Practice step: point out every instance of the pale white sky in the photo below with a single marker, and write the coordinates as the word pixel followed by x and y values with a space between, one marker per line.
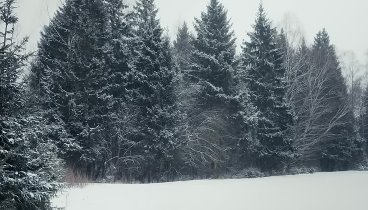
pixel 345 21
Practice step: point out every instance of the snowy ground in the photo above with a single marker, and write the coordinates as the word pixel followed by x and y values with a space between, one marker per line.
pixel 320 191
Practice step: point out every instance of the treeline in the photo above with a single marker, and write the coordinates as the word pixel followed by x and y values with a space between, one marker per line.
pixel 111 98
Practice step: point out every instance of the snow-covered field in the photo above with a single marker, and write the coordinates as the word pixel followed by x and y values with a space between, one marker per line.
pixel 320 191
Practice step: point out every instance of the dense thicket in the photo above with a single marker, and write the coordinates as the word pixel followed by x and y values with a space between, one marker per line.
pixel 131 106
pixel 110 95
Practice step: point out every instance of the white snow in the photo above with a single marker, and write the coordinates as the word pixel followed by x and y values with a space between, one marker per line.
pixel 320 191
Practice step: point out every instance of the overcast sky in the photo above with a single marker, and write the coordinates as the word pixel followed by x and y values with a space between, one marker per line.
pixel 345 20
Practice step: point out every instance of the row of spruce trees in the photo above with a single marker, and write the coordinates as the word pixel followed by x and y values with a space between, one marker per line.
pixel 110 97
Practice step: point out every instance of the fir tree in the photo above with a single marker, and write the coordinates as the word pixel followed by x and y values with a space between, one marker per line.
pixel 152 90
pixel 262 59
pixel 30 171
pixel 29 167
pixel 10 65
pixel 211 108
pixel 183 47
pixel 337 145
pixel 80 74
pixel 363 130
pixel 213 58
pixel 119 114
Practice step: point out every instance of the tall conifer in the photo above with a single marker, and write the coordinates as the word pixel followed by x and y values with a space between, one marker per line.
pixel 152 89
pixel 262 60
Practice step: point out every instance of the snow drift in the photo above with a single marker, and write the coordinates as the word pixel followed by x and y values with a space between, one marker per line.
pixel 320 191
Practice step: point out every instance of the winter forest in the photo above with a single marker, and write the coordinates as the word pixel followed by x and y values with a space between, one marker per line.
pixel 110 97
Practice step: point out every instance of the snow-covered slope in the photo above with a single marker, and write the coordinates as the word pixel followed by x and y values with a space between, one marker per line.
pixel 320 191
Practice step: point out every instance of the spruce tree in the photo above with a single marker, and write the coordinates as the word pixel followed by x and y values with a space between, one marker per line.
pixel 10 65
pixel 338 142
pixel 152 90
pixel 183 47
pixel 262 59
pixel 80 75
pixel 363 130
pixel 117 123
pixel 211 108
pixel 29 167
pixel 214 55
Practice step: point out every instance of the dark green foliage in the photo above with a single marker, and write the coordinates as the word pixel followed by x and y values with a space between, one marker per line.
pixel 183 47
pixel 363 128
pixel 29 167
pixel 213 57
pixel 338 143
pixel 12 59
pixel 262 60
pixel 121 103
pixel 152 91
pixel 211 104
pixel 67 62
pixel 80 74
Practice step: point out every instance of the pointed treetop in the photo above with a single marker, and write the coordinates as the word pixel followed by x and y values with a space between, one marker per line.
pixel 147 11
pixel 214 33
pixel 214 3
pixel 303 43
pixel 214 10
pixel 322 39
pixel 260 7
pixel 183 46
pixel 146 22
pixel 323 49
pixel 183 30
pixel 303 48
pixel 283 35
pixel 264 33
pixel 261 15
pixel 283 41
pixel 183 35
pixel 185 26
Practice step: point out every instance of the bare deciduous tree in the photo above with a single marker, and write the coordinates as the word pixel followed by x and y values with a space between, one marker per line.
pixel 309 98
